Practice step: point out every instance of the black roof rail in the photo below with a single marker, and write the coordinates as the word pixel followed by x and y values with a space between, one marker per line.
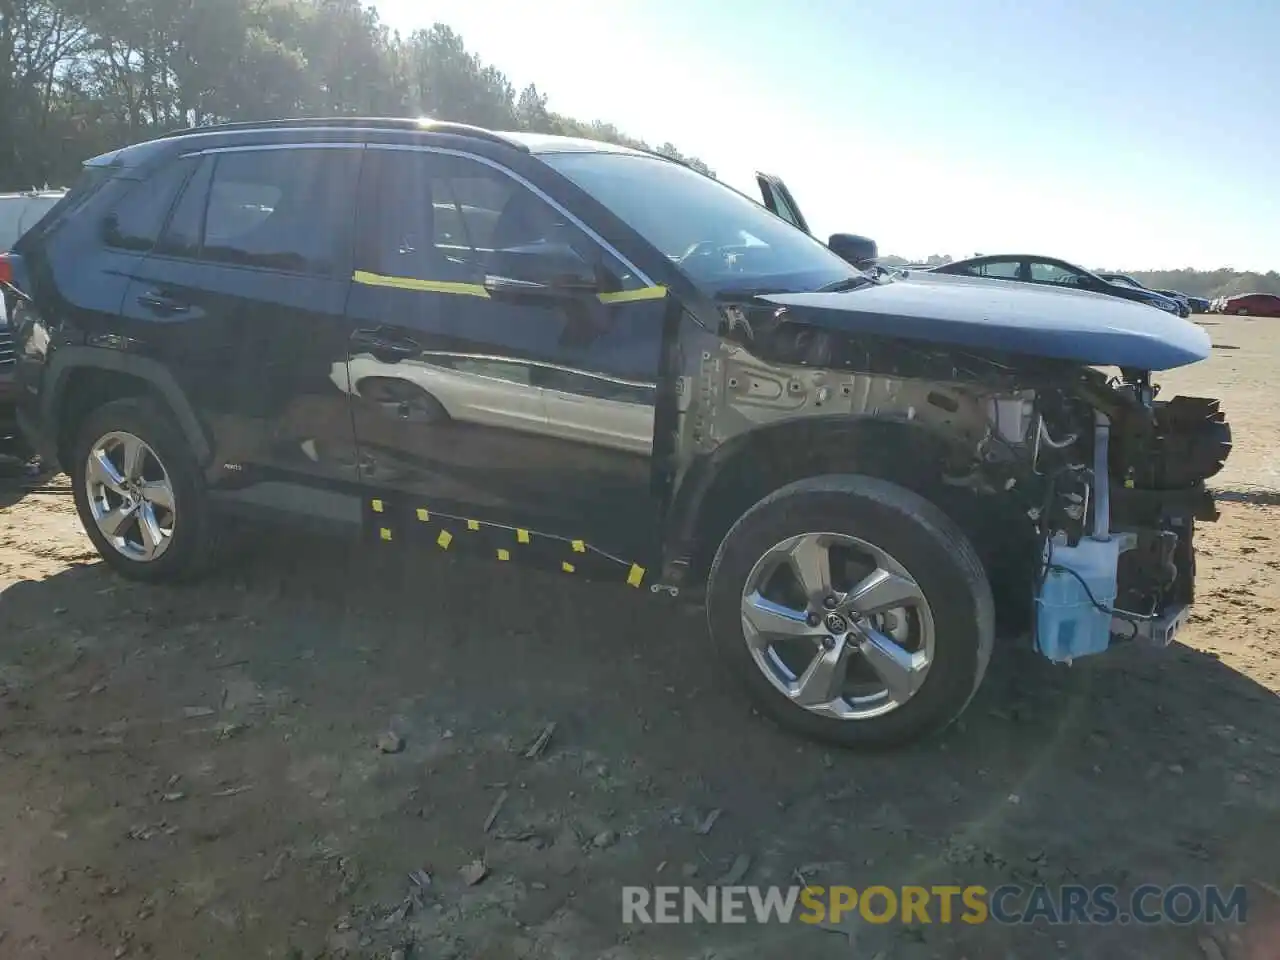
pixel 408 124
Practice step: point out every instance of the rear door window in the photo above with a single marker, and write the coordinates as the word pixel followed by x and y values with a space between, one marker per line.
pixel 287 210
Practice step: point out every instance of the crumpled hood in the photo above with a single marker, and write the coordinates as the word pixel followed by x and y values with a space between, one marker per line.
pixel 1008 317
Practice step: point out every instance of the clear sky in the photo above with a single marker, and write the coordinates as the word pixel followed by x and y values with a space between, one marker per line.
pixel 1141 134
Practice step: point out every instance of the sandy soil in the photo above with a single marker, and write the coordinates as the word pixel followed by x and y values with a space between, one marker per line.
pixel 195 773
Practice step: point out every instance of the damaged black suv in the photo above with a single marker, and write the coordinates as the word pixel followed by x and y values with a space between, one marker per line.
pixel 600 361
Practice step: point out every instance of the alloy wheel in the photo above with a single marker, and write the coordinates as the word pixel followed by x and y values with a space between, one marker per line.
pixel 131 496
pixel 837 625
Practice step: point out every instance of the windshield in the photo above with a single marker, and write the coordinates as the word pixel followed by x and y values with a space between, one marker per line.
pixel 722 240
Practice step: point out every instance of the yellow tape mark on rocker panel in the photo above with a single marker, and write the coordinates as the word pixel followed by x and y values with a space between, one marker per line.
pixel 424 286
pixel 635 576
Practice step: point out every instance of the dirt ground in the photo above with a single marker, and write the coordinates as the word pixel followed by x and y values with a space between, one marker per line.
pixel 195 773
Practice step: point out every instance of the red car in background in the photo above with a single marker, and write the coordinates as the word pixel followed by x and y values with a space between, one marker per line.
pixel 1253 305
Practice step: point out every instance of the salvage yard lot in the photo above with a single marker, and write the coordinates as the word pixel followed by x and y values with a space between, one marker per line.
pixel 196 772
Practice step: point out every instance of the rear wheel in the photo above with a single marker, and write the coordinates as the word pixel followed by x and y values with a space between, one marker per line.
pixel 853 610
pixel 139 493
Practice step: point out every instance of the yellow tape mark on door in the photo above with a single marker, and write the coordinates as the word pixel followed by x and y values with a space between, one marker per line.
pixel 370 279
pixel 422 286
pixel 631 296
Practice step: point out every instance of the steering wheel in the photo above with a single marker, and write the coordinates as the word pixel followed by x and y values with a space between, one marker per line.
pixel 728 254
pixel 701 248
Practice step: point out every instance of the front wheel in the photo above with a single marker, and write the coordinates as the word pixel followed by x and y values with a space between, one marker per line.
pixel 853 610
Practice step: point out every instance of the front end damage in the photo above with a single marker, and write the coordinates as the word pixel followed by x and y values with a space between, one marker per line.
pixel 1105 480
pixel 1120 479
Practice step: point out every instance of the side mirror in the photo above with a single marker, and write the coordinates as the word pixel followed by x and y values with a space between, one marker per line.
pixel 540 269
pixel 859 251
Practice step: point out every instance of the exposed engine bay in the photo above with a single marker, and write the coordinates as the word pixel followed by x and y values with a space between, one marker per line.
pixel 1109 479
pixel 1121 479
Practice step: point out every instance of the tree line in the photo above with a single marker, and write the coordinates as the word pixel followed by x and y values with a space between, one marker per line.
pixel 80 77
pixel 1223 282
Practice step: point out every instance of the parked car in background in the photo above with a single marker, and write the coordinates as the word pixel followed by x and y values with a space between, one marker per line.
pixel 1200 304
pixel 1124 280
pixel 18 212
pixel 1252 305
pixel 1051 272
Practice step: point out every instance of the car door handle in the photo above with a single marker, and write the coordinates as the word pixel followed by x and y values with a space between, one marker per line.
pixel 158 302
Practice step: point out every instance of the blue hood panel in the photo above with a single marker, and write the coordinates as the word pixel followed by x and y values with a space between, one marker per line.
pixel 1008 317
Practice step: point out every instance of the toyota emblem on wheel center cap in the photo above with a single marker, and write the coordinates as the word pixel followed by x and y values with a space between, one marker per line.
pixel 836 624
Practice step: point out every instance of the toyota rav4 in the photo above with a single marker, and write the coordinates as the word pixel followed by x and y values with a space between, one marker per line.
pixel 600 361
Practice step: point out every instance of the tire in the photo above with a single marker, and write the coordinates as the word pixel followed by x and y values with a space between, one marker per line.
pixel 923 542
pixel 193 543
pixel 1242 312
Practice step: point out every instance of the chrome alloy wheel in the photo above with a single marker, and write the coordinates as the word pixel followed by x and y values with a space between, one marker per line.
pixel 130 496
pixel 837 625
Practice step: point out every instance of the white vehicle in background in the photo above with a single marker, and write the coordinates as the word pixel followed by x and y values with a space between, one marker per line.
pixel 18 213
